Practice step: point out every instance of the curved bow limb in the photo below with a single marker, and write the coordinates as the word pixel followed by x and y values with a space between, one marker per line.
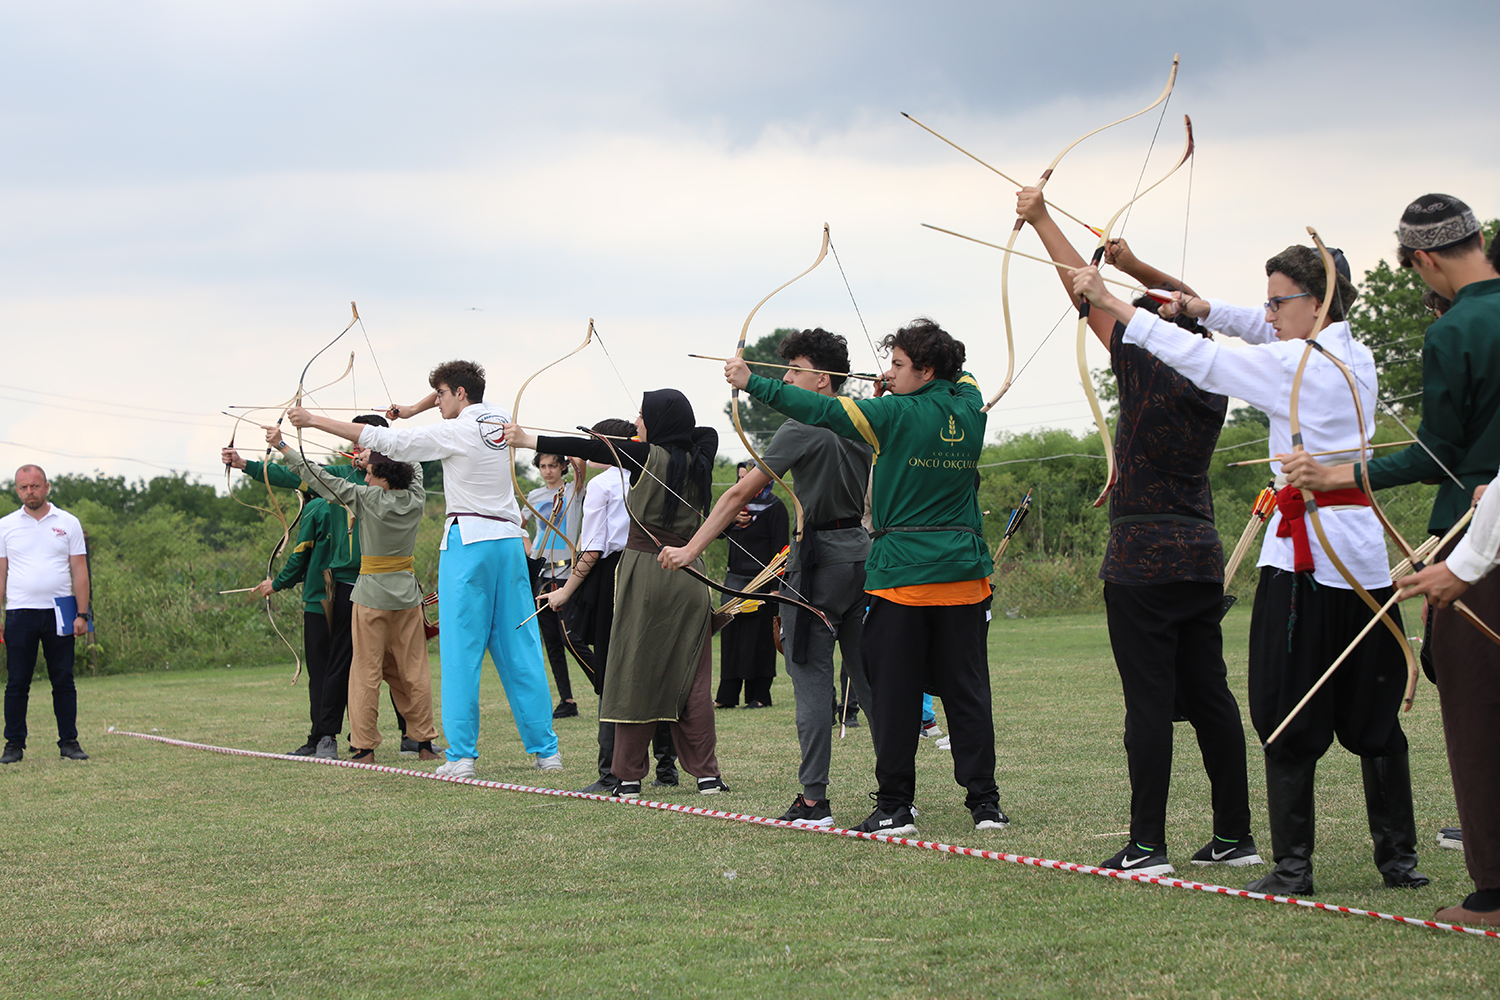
pixel 1010 342
pixel 734 395
pixel 1083 317
pixel 1312 514
pixel 515 417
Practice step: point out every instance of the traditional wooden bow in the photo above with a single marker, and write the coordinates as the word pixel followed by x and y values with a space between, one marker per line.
pixel 1083 317
pixel 734 395
pixel 1010 343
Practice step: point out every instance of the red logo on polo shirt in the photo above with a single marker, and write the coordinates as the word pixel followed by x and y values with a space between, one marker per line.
pixel 59 533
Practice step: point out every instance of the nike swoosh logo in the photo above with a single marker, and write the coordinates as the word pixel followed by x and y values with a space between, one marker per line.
pixel 1132 862
pixel 1221 855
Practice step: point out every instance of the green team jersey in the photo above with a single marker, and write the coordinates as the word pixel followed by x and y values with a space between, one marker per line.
pixel 924 506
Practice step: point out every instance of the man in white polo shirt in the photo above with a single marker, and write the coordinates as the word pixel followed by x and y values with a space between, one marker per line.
pixel 42 560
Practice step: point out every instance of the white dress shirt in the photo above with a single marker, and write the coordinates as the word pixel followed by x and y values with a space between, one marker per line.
pixel 1478 552
pixel 606 525
pixel 476 468
pixel 1262 376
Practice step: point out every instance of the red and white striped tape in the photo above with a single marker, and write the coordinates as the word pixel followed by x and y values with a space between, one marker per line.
pixel 930 845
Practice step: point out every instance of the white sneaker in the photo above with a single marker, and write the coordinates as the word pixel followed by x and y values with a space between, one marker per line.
pixel 943 743
pixel 461 768
pixel 930 730
pixel 553 763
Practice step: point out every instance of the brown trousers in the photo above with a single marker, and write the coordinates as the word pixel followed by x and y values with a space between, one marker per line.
pixel 389 646
pixel 1468 678
pixel 693 733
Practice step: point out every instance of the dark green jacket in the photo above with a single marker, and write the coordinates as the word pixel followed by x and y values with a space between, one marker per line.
pixel 324 538
pixel 1460 406
pixel 927 446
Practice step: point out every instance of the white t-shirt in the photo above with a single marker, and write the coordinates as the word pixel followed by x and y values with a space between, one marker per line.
pixel 476 468
pixel 36 554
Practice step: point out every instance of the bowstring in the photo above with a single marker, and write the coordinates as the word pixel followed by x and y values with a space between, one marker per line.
pixel 861 316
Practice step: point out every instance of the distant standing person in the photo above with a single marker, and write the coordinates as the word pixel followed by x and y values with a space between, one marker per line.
pixel 747 645
pixel 43 562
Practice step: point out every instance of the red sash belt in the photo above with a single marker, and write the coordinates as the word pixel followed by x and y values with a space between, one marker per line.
pixel 1294 525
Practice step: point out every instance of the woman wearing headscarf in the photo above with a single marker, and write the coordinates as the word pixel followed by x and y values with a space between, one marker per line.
pixel 660 660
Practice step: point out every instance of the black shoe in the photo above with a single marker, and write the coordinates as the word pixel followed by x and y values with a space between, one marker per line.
pixel 410 747
pixel 604 786
pixel 712 786
pixel 628 790
pixel 898 822
pixel 989 818
pixel 565 710
pixel 1451 837
pixel 1393 827
pixel 1283 883
pixel 305 750
pixel 757 704
pixel 71 750
pixel 809 812
pixel 1138 860
pixel 362 756
pixel 1234 853
pixel 13 753
pixel 668 779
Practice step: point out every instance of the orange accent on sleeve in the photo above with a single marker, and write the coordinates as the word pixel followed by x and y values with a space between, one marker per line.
pixel 938 594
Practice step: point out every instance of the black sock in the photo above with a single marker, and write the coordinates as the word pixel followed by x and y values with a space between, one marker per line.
pixel 1483 901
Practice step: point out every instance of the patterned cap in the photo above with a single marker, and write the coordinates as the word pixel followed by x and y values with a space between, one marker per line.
pixel 1436 221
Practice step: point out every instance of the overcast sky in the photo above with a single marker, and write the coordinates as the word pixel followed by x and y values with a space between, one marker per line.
pixel 191 194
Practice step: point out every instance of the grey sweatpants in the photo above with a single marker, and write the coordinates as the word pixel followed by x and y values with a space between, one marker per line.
pixel 839 590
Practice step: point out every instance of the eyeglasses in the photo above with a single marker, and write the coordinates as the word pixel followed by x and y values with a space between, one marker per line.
pixel 1273 304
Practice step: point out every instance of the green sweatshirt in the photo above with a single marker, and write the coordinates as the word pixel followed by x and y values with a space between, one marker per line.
pixel 324 538
pixel 1460 406
pixel 927 446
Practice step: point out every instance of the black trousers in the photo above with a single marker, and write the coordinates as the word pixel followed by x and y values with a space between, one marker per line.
pixel 908 650
pixel 338 641
pixel 1297 629
pixel 596 615
pixel 26 629
pixel 1169 650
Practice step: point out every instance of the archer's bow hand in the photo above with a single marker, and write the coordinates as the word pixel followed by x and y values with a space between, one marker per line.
pixel 299 417
pixel 1305 472
pixel 673 557
pixel 1031 205
pixel 231 458
pixel 273 436
pixel 737 372
pixel 1437 582
pixel 516 437
pixel 1088 284
pixel 264 588
pixel 1117 254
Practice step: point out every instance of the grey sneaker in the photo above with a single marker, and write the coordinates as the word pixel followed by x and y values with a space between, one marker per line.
pixel 328 748
pixel 1451 837
pixel 409 747
pixel 553 763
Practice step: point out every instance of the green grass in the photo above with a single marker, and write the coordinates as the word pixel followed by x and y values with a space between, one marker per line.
pixel 158 871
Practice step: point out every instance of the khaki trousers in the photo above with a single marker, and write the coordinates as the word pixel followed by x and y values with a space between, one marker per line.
pixel 389 646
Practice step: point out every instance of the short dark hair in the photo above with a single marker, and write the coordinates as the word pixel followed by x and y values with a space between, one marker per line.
pixel 398 474
pixel 928 346
pixel 1304 265
pixel 465 375
pixel 1435 303
pixel 828 351
pixel 536 461
pixel 615 427
pixel 373 419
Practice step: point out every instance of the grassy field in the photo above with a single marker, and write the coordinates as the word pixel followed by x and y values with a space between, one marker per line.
pixel 154 871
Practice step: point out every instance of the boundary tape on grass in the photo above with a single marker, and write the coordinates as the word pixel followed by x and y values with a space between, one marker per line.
pixel 930 845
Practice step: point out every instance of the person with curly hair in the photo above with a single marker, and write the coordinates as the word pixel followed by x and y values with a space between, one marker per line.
pixel 826 568
pixel 927 575
pixel 482 574
pixel 1305 611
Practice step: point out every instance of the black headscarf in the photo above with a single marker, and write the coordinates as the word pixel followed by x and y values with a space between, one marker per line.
pixel 668 417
